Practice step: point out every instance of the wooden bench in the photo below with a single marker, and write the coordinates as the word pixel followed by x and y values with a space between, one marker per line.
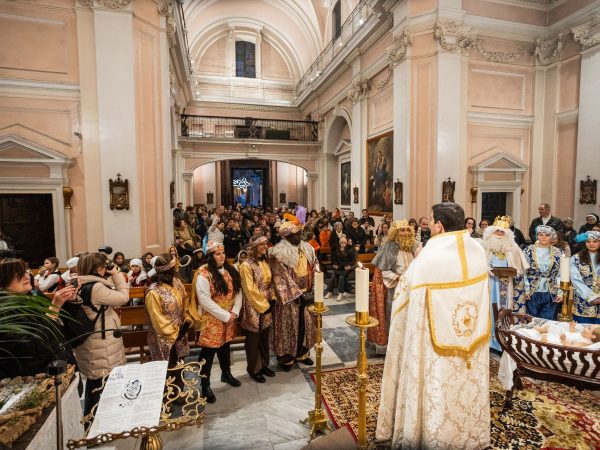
pixel 366 260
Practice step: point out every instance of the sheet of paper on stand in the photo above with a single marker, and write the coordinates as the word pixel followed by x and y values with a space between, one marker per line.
pixel 131 398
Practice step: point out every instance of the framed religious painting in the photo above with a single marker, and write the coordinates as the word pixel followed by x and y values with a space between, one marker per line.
pixel 345 188
pixel 380 185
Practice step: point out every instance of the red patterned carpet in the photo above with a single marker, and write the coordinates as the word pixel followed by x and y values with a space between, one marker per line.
pixel 545 415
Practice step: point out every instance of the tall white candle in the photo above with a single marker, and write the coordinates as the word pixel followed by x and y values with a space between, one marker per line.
pixel 565 267
pixel 362 288
pixel 318 286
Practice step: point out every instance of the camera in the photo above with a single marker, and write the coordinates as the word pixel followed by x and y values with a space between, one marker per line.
pixel 111 266
pixel 107 249
pixel 74 282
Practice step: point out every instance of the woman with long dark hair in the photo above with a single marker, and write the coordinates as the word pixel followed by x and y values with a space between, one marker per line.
pixel 217 286
pixel 585 276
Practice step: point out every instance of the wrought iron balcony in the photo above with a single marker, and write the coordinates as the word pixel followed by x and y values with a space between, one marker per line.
pixel 217 127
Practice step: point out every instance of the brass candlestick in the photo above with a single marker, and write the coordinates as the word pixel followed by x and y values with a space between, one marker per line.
pixel 316 418
pixel 362 321
pixel 566 312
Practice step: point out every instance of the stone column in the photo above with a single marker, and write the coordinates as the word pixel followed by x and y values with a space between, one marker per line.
pixel 188 188
pixel 588 133
pixel 311 201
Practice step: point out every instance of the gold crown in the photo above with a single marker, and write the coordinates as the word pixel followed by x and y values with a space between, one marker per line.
pixel 503 222
pixel 400 224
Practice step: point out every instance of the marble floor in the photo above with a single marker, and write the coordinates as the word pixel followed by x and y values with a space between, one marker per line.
pixel 267 416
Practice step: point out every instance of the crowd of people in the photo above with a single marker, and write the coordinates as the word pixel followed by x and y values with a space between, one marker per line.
pixel 251 273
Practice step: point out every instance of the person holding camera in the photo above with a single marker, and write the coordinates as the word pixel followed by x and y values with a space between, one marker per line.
pixel 292 263
pixel 100 352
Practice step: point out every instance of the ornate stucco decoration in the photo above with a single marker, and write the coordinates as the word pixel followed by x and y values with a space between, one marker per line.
pixel 114 4
pixel 499 56
pixel 588 33
pixel 165 8
pixel 359 91
pixel 396 53
pixel 548 51
pixel 454 38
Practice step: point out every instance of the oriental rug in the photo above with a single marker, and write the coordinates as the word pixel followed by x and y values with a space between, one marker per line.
pixel 544 415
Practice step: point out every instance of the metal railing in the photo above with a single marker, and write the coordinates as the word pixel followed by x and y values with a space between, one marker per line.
pixel 356 20
pixel 218 127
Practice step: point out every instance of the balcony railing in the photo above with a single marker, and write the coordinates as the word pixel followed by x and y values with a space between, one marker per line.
pixel 217 127
pixel 357 19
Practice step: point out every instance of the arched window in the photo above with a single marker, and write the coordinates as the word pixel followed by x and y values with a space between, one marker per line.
pixel 336 17
pixel 245 59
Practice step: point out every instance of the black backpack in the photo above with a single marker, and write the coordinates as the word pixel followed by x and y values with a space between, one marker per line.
pixel 83 323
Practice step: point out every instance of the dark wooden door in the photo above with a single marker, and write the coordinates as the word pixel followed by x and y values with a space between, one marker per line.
pixel 28 222
pixel 493 204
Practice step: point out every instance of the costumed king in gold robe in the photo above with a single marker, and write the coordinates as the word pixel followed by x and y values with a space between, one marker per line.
pixel 435 387
pixel 292 264
pixel 391 261
pixel 502 251
pixel 166 305
pixel 218 287
pixel 256 314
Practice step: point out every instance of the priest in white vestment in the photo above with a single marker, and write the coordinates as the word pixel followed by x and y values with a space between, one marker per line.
pixel 435 387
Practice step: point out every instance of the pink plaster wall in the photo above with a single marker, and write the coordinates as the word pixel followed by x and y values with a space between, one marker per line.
pixel 569 84
pixel 420 6
pixel 500 88
pixel 273 65
pixel 149 125
pixel 503 11
pixel 423 148
pixel 214 58
pixel 564 182
pixel 565 9
pixel 39 43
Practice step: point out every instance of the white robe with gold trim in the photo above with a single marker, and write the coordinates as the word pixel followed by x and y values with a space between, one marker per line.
pixel 435 388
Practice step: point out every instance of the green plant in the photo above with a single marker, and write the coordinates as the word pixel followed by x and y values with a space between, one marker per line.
pixel 24 316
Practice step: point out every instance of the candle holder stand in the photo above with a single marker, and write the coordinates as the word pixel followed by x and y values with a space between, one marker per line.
pixel 362 321
pixel 566 312
pixel 316 418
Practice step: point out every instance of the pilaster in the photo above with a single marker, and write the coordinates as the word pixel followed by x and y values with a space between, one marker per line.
pixel 588 133
pixel 116 120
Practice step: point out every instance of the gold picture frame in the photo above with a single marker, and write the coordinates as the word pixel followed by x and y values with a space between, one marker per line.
pixel 119 193
pixel 380 168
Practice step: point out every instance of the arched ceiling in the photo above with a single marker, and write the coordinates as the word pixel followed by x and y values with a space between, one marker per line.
pixel 296 26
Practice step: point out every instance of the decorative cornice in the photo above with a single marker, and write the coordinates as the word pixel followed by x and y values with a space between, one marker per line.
pixel 165 8
pixel 548 51
pixel 455 39
pixel 502 57
pixel 114 4
pixel 588 33
pixel 110 4
pixel 359 91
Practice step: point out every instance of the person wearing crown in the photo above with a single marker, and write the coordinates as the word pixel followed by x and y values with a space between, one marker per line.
pixel 435 384
pixel 218 289
pixel 502 251
pixel 292 263
pixel 391 262
pixel 585 277
pixel 539 295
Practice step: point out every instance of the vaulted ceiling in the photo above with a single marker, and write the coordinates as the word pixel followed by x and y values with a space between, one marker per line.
pixel 300 29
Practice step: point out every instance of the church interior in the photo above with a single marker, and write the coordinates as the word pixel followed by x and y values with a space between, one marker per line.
pixel 120 119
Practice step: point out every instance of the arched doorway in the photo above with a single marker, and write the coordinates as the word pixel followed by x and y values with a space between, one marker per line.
pixel 254 182
pixel 337 170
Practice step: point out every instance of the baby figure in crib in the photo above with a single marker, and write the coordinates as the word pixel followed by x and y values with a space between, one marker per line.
pixel 571 338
